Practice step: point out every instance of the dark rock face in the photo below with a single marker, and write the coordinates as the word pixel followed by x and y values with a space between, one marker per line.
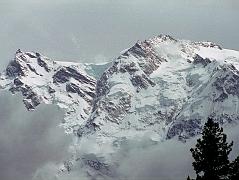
pixel 102 86
pixel 62 76
pixel 31 104
pixel 189 128
pixel 137 51
pixel 20 65
pixel 65 73
pixel 18 82
pixel 130 68
pixel 51 90
pixel 232 85
pixel 225 118
pixel 97 163
pixel 43 64
pixel 222 97
pixel 116 110
pixel 147 62
pixel 26 64
pixel 31 99
pixel 145 50
pixel 31 55
pixel 199 60
pixel 14 69
pixel 142 82
pixel 73 88
pixel 227 83
pixel 32 69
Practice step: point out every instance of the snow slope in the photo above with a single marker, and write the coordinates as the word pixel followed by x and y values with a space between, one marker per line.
pixel 162 87
pixel 41 80
pixel 166 87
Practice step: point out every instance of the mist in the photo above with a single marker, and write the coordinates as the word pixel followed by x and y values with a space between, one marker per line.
pixel 169 160
pixel 29 140
pixel 142 158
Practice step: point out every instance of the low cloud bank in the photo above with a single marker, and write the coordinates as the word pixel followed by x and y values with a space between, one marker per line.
pixel 141 159
pixel 32 146
pixel 28 140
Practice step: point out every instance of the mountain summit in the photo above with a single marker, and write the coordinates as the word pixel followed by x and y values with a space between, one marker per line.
pixel 162 86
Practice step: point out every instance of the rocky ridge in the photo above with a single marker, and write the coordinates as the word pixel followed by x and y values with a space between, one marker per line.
pixel 162 87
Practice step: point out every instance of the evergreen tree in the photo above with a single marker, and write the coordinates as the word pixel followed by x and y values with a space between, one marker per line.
pixel 211 153
pixel 234 173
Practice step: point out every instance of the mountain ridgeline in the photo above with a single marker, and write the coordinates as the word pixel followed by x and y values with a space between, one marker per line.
pixel 161 86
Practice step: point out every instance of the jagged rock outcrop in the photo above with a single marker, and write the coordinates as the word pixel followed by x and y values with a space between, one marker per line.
pixel 41 80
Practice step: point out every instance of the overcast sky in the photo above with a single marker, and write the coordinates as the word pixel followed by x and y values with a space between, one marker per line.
pixel 92 30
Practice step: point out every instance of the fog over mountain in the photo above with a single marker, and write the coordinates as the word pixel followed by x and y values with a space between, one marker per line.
pixel 29 140
pixel 96 31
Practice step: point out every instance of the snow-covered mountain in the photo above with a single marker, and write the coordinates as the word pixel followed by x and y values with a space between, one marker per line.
pixel 162 87
pixel 40 80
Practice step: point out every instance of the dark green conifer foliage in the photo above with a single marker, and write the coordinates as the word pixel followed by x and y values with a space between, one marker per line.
pixel 211 153
pixel 234 173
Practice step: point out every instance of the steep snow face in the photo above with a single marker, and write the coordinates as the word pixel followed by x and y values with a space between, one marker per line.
pixel 165 87
pixel 41 80
pixel 161 87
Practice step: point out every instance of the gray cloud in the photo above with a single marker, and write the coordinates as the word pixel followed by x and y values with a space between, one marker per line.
pixel 29 140
pixel 169 160
pixel 161 161
pixel 80 30
pixel 140 159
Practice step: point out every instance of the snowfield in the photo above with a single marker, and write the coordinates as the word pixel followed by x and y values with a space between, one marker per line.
pixel 162 88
